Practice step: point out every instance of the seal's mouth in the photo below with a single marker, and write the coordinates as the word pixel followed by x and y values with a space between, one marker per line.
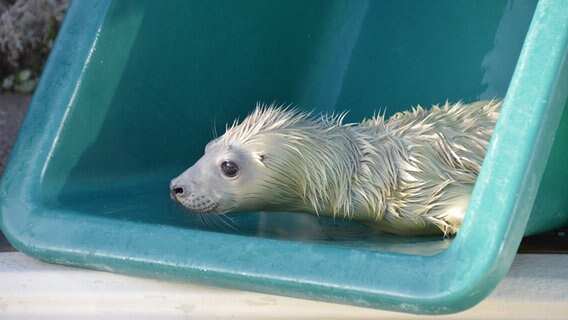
pixel 198 204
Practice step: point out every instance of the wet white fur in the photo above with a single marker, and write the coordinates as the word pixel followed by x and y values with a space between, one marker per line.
pixel 410 174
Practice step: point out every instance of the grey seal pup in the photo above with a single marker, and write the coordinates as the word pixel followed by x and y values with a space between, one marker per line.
pixel 412 174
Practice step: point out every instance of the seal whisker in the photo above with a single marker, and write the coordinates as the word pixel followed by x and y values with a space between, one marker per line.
pixel 229 222
pixel 215 134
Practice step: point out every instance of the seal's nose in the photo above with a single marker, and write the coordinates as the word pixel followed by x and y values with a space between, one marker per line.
pixel 177 190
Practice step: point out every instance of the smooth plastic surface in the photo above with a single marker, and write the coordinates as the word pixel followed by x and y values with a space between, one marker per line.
pixel 133 91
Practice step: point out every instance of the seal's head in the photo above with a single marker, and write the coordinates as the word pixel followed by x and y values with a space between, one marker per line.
pixel 215 183
pixel 244 169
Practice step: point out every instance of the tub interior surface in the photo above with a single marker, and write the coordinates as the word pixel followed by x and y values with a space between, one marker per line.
pixel 162 79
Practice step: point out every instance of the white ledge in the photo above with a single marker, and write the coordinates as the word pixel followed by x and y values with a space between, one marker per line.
pixel 536 287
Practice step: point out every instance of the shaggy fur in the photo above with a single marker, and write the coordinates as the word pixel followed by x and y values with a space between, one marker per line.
pixel 412 174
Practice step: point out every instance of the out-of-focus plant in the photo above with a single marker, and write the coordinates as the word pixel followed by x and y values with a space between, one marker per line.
pixel 27 31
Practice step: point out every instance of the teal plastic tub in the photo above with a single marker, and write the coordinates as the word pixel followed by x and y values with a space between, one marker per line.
pixel 133 91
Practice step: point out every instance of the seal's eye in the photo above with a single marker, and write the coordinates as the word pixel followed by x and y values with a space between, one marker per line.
pixel 230 169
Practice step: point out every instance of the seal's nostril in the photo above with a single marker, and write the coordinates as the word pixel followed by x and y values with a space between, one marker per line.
pixel 178 190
